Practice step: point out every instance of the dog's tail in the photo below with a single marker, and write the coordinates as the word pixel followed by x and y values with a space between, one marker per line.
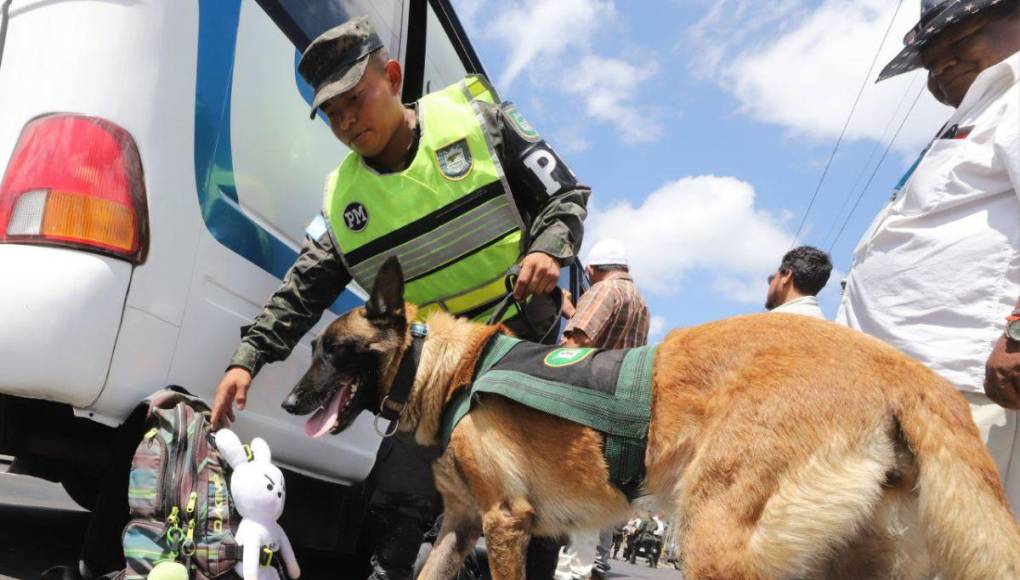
pixel 969 530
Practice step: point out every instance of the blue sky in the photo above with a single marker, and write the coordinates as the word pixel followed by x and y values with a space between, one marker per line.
pixel 703 128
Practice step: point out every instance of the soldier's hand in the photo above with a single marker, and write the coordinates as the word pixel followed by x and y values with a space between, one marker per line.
pixel 233 389
pixel 539 275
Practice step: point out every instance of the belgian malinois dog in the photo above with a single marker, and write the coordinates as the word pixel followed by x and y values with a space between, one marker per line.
pixel 785 447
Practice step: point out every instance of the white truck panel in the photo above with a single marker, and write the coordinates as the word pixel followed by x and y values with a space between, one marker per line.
pixel 140 364
pixel 226 294
pixel 60 310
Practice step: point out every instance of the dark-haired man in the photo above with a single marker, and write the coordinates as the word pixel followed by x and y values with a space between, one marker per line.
pixel 794 287
pixel 938 273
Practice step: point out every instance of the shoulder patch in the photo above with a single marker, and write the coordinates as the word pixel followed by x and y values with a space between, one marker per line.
pixel 455 159
pixel 520 125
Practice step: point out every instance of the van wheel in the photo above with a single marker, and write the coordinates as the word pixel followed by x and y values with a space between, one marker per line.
pixel 83 490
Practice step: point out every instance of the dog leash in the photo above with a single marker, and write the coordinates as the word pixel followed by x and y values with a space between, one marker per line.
pixel 393 404
pixel 508 300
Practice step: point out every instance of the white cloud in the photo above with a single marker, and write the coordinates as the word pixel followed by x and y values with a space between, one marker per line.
pixel 608 87
pixel 656 329
pixel 807 77
pixel 729 24
pixel 705 223
pixel 551 45
pixel 535 29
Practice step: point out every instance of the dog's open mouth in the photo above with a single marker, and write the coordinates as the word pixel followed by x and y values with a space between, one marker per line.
pixel 332 415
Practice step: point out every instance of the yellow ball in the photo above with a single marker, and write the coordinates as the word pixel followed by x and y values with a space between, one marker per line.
pixel 169 571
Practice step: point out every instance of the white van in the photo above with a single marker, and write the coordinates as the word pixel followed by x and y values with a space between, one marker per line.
pixel 159 172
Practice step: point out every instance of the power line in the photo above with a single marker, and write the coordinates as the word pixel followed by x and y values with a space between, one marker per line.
pixel 871 155
pixel 853 108
pixel 873 173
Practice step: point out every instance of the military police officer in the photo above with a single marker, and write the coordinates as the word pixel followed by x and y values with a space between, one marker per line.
pixel 458 185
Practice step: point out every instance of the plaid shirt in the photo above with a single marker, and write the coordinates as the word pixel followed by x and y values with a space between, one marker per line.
pixel 612 314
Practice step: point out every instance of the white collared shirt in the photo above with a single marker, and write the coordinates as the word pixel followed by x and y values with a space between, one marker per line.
pixel 938 271
pixel 805 305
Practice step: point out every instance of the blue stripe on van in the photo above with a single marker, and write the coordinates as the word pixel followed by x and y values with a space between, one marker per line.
pixel 214 167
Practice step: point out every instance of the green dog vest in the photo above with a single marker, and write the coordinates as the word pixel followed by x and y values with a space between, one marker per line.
pixel 609 391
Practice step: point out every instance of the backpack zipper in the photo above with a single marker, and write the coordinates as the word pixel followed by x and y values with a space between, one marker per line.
pixel 174 482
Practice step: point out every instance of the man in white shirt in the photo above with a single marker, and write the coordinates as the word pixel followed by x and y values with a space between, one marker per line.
pixel 938 272
pixel 794 287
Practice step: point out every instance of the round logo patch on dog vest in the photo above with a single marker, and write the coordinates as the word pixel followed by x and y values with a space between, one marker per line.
pixel 564 357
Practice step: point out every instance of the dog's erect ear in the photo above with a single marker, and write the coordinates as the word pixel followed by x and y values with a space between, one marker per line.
pixel 386 304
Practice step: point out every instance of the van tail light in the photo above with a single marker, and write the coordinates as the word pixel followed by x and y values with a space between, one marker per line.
pixel 75 181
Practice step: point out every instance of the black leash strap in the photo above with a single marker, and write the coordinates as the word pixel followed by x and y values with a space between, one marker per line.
pixel 393 404
pixel 504 305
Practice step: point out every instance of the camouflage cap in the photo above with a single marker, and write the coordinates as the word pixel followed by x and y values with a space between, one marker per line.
pixel 335 61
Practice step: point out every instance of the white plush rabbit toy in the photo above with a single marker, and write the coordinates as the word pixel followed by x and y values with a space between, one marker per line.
pixel 259 494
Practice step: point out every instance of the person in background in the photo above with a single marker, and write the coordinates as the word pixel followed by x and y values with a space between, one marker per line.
pixel 610 315
pixel 794 287
pixel 937 275
pixel 618 534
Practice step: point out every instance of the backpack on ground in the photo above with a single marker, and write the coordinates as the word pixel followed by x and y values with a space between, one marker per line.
pixel 178 495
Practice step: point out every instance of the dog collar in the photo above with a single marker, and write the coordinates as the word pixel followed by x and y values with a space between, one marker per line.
pixel 393 404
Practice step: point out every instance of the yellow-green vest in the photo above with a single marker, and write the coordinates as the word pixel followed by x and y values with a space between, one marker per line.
pixel 449 217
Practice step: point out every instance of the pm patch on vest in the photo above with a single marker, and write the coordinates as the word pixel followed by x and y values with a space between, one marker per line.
pixel 355 216
pixel 454 159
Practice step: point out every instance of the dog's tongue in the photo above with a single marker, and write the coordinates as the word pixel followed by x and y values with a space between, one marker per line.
pixel 323 419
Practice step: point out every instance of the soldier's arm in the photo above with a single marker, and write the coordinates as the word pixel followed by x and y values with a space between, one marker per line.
pixel 553 202
pixel 311 285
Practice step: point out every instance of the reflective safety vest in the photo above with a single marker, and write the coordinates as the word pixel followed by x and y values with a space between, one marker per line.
pixel 449 217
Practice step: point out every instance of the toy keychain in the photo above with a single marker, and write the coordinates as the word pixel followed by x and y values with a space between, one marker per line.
pixel 259 493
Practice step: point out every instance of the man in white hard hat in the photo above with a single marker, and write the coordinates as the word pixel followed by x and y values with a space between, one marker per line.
pixel 611 314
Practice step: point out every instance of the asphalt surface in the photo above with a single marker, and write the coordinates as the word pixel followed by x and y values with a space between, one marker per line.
pixel 621 569
pixel 40 527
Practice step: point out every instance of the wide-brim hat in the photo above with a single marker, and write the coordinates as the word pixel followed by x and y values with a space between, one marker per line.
pixel 336 60
pixel 936 16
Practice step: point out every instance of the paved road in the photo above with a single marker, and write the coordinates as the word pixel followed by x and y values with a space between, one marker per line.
pixel 41 527
pixel 621 569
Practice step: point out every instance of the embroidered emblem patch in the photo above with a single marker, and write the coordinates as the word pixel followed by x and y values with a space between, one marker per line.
pixel 355 217
pixel 455 159
pixel 564 357
pixel 520 125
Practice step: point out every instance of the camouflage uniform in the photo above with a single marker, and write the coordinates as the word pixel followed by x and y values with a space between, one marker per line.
pixel 404 501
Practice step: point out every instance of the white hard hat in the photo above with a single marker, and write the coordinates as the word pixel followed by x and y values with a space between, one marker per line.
pixel 607 252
